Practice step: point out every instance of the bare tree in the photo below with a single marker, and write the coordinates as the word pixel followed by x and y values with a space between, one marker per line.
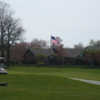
pixel 39 44
pixel 18 51
pixel 79 46
pixel 10 29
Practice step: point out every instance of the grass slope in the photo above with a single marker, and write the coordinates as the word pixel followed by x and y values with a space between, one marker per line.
pixel 28 83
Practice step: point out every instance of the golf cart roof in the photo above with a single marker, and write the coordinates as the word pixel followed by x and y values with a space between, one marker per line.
pixel 3 71
pixel 2 58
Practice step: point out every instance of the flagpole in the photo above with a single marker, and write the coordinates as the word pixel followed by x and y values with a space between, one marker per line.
pixel 50 44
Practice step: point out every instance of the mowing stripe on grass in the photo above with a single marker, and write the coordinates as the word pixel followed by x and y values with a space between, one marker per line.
pixel 57 74
pixel 87 81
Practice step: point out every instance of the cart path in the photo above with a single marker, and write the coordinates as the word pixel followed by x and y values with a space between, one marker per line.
pixel 87 81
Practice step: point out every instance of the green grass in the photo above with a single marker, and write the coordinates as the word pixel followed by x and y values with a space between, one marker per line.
pixel 37 83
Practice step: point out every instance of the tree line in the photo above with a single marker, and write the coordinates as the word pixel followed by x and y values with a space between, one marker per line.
pixel 12 31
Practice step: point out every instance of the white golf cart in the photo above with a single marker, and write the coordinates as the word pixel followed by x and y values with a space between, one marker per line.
pixel 2 66
pixel 2 71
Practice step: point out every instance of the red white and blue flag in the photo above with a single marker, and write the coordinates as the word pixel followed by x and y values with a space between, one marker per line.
pixel 54 41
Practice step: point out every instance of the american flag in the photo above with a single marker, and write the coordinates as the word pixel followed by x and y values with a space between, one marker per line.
pixel 54 41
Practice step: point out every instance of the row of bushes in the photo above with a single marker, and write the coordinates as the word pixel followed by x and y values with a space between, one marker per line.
pixel 92 57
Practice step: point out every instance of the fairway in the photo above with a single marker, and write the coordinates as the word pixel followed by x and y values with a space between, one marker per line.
pixel 32 83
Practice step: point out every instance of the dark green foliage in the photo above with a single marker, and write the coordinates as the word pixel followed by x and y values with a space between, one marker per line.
pixel 41 58
pixel 29 57
pixel 92 56
pixel 55 59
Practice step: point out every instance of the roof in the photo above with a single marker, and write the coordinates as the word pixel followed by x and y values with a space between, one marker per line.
pixel 70 52
pixel 1 58
pixel 44 51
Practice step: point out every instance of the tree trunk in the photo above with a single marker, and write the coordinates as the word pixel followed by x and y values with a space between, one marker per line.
pixel 8 49
pixel 8 55
pixel 2 41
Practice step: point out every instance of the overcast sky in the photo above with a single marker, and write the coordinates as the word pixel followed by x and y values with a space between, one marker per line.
pixel 73 20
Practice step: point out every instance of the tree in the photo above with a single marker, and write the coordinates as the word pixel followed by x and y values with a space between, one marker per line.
pixel 79 46
pixel 91 43
pixel 18 51
pixel 94 44
pixel 10 29
pixel 38 44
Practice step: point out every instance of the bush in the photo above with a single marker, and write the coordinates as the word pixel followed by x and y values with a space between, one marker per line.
pixel 92 57
pixel 41 58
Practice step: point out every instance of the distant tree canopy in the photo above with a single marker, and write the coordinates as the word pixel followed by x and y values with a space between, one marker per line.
pixel 92 53
pixel 79 46
pixel 36 43
pixel 10 29
pixel 94 44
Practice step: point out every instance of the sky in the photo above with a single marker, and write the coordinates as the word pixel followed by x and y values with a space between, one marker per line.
pixel 74 21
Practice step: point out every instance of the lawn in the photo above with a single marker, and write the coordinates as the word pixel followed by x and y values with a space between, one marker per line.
pixel 43 83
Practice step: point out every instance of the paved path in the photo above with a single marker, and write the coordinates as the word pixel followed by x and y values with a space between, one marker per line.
pixel 87 81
